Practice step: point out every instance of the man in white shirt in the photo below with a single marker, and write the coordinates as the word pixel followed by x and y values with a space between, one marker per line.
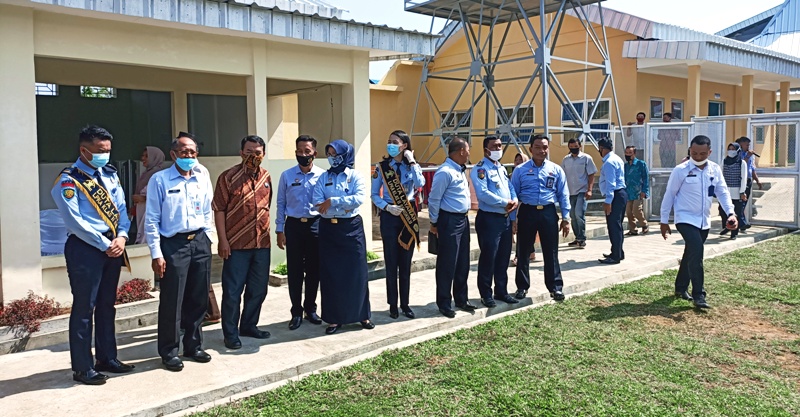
pixel 690 189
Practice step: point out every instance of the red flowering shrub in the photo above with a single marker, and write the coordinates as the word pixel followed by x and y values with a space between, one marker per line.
pixel 133 290
pixel 26 314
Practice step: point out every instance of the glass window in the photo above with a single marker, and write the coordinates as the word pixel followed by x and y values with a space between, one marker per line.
pixel 45 89
pixel 677 110
pixel 91 91
pixel 566 114
pixel 656 108
pixel 525 117
pixel 716 108
pixel 603 110
pixel 463 118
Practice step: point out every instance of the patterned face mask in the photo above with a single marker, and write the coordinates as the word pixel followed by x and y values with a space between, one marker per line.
pixel 252 161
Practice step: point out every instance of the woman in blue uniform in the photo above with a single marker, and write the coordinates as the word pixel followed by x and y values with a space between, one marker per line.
pixel 339 193
pixel 399 176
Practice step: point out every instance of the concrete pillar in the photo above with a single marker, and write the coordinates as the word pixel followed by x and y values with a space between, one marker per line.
pixel 693 93
pixel 257 92
pixel 785 96
pixel 356 127
pixel 744 106
pixel 180 111
pixel 20 250
pixel 783 130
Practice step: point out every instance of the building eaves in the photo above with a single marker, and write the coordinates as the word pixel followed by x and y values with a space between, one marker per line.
pixel 749 22
pixel 256 18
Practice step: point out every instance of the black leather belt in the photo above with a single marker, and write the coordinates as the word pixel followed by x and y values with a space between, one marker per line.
pixel 304 219
pixel 493 213
pixel 186 235
pixel 454 214
pixel 538 207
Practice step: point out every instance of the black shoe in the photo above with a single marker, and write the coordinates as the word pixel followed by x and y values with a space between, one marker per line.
pixel 407 312
pixel 313 318
pixel 333 329
pixel 608 261
pixel 367 324
pixel 701 303
pixel 557 295
pixel 489 302
pixel 174 364
pixel 506 299
pixel 295 322
pixel 393 313
pixel 467 306
pixel 199 356
pixel 447 313
pixel 233 344
pixel 573 244
pixel 724 232
pixel 684 295
pixel 90 377
pixel 520 294
pixel 733 237
pixel 608 255
pixel 254 333
pixel 114 366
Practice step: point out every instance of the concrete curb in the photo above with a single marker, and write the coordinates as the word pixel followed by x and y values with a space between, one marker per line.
pixel 196 401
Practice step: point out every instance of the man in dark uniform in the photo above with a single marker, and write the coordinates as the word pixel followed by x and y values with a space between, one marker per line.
pixel 92 204
pixel 539 183
pixel 177 222
pixel 496 200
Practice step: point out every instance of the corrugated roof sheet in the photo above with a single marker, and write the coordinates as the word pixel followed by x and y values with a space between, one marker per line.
pixel 782 34
pixel 749 22
pixel 266 17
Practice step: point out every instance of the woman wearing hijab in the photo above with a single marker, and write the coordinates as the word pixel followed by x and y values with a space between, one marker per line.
pixel 152 158
pixel 520 159
pixel 339 193
pixel 734 170
pixel 399 176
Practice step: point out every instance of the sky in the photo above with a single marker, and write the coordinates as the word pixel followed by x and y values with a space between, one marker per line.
pixel 704 15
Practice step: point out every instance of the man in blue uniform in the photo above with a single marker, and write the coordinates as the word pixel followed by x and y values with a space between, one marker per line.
pixel 539 184
pixel 297 226
pixel 448 206
pixel 177 222
pixel 612 186
pixel 92 203
pixel 496 201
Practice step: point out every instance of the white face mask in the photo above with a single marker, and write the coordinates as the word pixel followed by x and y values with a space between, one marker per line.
pixel 495 155
pixel 732 154
pixel 699 163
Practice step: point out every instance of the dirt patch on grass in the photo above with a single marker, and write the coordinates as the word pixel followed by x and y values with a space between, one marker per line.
pixel 739 321
pixel 437 360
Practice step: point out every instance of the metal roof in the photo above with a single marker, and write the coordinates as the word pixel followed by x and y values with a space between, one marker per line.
pixel 309 20
pixel 483 12
pixel 749 22
pixel 782 33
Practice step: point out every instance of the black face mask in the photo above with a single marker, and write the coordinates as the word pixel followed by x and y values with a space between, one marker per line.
pixel 628 158
pixel 574 151
pixel 304 161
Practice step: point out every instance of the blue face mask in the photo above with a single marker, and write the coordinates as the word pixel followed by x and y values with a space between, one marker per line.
pixel 100 160
pixel 186 164
pixel 393 149
pixel 335 160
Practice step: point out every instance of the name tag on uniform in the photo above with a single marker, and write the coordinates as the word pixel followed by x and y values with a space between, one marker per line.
pixel 174 191
pixel 711 190
pixel 550 182
pixel 196 204
pixel 295 184
pixel 329 184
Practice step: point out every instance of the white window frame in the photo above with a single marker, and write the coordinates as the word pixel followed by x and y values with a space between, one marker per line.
pixel 672 109
pixel 722 104
pixel 585 112
pixel 457 115
pixel 655 116
pixel 524 137
pixel 46 89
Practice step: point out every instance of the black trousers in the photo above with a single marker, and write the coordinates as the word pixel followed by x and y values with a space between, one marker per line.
pixel 184 292
pixel 452 261
pixel 247 271
pixel 738 208
pixel 544 221
pixel 494 238
pixel 398 260
pixel 614 224
pixel 93 278
pixel 691 269
pixel 302 263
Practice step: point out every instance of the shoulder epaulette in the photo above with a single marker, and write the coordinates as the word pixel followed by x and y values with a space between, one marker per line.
pixel 480 164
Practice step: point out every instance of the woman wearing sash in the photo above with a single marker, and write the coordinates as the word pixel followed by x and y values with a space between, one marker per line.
pixel 339 193
pixel 394 184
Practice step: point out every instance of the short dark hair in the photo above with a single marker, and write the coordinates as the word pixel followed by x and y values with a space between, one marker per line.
pixel 488 139
pixel 642 113
pixel 574 140
pixel 701 140
pixel 630 147
pixel 187 135
pixel 456 145
pixel 539 137
pixel 254 139
pixel 668 114
pixel 403 137
pixel 91 133
pixel 306 138
pixel 743 139
pixel 605 143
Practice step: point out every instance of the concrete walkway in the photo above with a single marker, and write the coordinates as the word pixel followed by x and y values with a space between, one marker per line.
pixel 38 382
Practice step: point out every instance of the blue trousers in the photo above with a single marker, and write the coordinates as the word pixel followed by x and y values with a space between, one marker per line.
pixel 614 223
pixel 398 260
pixel 245 270
pixel 452 262
pixel 93 278
pixel 494 238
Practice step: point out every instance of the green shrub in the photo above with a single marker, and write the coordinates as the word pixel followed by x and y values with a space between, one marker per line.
pixel 371 256
pixel 281 269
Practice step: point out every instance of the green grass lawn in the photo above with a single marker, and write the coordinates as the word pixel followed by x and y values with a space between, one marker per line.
pixel 630 350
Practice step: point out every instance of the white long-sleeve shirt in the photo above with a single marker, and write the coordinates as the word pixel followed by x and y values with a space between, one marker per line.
pixel 690 191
